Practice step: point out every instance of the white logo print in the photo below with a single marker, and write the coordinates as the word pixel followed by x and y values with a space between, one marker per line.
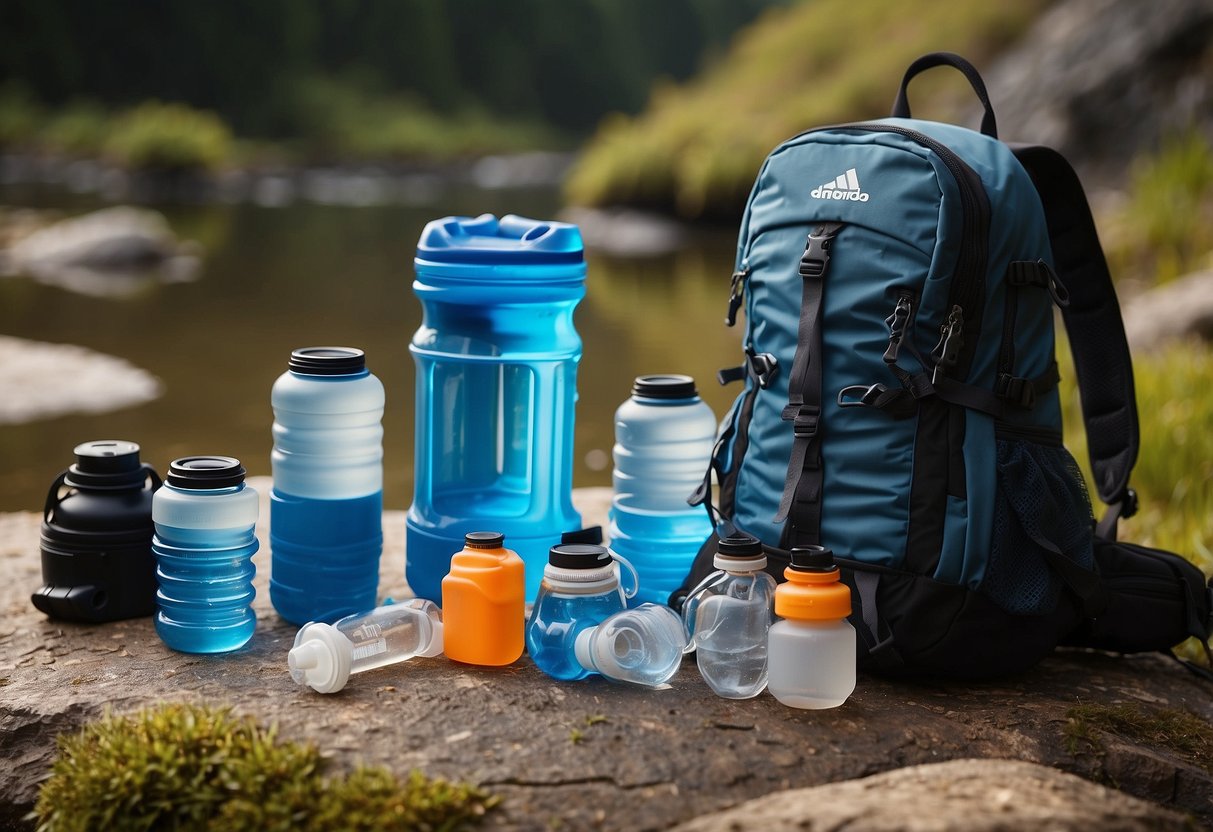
pixel 844 186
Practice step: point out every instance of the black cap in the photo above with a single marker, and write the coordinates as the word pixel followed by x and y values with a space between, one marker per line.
pixel 106 463
pixel 592 534
pixel 205 472
pixel 578 556
pixel 739 545
pixel 484 540
pixel 813 559
pixel 664 387
pixel 328 361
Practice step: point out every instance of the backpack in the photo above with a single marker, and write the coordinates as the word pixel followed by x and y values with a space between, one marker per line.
pixel 900 400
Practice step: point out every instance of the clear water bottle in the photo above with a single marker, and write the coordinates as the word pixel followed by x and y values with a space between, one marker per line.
pixel 729 615
pixel 97 562
pixel 484 599
pixel 663 441
pixel 643 646
pixel 326 506
pixel 496 358
pixel 326 655
pixel 580 589
pixel 204 545
pixel 812 650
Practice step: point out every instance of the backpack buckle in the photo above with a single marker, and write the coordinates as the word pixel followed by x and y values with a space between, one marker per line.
pixel 859 395
pixel 806 418
pixel 1016 390
pixel 763 365
pixel 816 255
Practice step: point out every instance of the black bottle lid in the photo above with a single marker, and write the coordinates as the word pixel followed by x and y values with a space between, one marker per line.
pixel 328 361
pixel 579 556
pixel 813 559
pixel 592 534
pixel 738 545
pixel 201 473
pixel 664 387
pixel 106 463
pixel 484 540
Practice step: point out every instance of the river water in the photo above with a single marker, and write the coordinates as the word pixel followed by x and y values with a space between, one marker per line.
pixel 303 274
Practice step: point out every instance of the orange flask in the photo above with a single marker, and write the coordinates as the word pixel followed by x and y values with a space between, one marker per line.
pixel 484 602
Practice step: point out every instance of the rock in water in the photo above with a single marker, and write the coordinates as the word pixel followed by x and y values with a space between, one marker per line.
pixel 112 252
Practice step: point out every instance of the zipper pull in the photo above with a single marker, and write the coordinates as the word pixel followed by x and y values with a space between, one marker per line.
pixel 736 294
pixel 947 351
pixel 897 326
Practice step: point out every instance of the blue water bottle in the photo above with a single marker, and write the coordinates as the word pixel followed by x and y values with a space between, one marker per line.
pixel 204 544
pixel 326 507
pixel 663 441
pixel 580 589
pixel 496 358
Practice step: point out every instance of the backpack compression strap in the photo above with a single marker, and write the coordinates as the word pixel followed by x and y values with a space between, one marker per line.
pixel 803 482
pixel 1095 330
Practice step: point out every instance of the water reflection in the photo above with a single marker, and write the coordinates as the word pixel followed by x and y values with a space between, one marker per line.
pixel 277 278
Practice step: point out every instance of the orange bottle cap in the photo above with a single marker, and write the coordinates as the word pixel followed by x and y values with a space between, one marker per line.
pixel 813 591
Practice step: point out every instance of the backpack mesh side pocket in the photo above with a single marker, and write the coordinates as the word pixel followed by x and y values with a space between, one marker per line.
pixel 1041 498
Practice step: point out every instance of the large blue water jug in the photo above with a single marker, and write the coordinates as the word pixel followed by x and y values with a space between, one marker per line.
pixel 326 507
pixel 204 545
pixel 663 441
pixel 496 358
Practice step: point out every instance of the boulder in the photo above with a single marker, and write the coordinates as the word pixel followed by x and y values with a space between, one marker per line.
pixel 589 754
pixel 1174 311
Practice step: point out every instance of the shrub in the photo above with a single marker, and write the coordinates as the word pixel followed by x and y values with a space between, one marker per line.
pixel 79 129
pixel 169 138
pixel 189 767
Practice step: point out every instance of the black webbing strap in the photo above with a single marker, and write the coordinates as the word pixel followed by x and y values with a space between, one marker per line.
pixel 1096 333
pixel 803 481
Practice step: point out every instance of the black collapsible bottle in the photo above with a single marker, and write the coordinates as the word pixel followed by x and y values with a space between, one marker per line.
pixel 97 562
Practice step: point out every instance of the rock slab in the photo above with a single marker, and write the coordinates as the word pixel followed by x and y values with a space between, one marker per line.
pixel 588 755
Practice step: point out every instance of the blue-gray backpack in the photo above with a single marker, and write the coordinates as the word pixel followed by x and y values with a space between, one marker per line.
pixel 900 401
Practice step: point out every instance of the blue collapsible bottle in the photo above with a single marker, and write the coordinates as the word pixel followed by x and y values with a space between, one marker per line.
pixel 663 442
pixel 326 507
pixel 580 589
pixel 496 358
pixel 204 544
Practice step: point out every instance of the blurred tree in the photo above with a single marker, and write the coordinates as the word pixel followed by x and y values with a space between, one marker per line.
pixel 566 63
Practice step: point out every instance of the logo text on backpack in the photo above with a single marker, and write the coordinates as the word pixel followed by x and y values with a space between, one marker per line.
pixel 844 186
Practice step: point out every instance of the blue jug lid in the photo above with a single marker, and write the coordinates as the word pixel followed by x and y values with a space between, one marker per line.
pixel 511 240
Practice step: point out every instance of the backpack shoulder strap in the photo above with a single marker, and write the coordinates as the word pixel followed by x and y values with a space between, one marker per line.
pixel 1095 330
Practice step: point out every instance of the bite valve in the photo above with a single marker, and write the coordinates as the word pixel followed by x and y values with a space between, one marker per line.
pixel 326 655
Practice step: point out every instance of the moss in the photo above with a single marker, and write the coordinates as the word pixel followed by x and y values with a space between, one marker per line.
pixel 1181 733
pixel 190 768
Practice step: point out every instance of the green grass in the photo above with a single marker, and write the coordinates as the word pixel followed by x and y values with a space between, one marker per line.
pixel 696 149
pixel 189 768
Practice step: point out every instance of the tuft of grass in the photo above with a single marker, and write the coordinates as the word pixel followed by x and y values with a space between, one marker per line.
pixel 189 767
pixel 169 138
pixel 1164 230
pixel 79 129
pixel 698 146
pixel 1181 733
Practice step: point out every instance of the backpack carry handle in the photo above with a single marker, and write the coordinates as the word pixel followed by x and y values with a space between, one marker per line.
pixel 901 106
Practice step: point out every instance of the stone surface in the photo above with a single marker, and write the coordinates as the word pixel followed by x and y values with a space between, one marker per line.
pixel 114 252
pixel 957 796
pixel 1173 311
pixel 588 755
pixel 1101 80
pixel 55 379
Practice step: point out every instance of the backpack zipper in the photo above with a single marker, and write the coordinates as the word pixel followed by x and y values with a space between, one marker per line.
pixel 899 323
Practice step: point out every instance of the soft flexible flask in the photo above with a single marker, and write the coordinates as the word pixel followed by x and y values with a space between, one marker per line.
pixel 728 617
pixel 484 604
pixel 326 506
pixel 580 589
pixel 204 546
pixel 97 562
pixel 663 441
pixel 496 358
pixel 643 646
pixel 812 650
pixel 326 655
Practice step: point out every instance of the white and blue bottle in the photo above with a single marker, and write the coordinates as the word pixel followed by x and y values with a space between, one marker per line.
pixel 204 544
pixel 326 507
pixel 663 441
